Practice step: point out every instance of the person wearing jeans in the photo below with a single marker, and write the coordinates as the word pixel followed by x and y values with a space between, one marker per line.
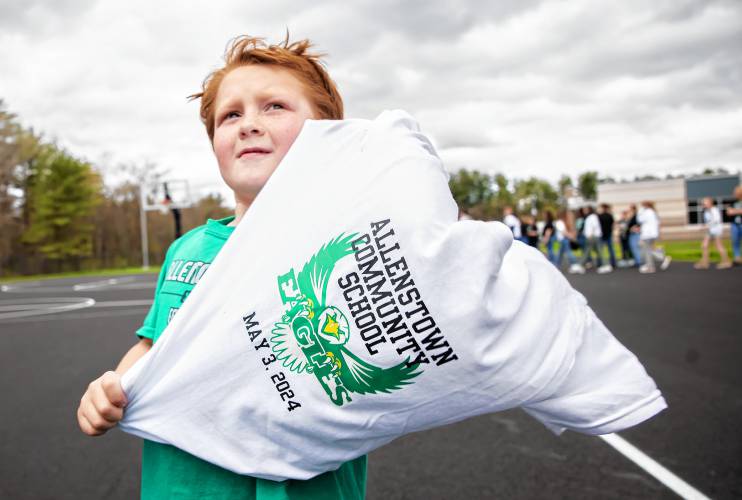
pixel 564 236
pixel 548 236
pixel 634 237
pixel 606 228
pixel 592 233
pixel 736 226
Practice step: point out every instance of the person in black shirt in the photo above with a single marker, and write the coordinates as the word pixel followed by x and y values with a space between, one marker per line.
pixel 634 238
pixel 548 236
pixel 530 230
pixel 606 227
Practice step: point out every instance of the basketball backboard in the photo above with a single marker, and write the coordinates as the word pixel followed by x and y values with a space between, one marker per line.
pixel 165 195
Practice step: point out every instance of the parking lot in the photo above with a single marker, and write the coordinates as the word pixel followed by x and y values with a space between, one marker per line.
pixel 685 326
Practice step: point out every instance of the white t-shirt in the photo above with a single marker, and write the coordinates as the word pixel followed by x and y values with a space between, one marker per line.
pixel 712 218
pixel 350 307
pixel 592 227
pixel 561 228
pixel 650 224
pixel 514 224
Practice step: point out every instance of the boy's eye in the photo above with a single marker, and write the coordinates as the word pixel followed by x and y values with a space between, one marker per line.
pixel 227 116
pixel 275 105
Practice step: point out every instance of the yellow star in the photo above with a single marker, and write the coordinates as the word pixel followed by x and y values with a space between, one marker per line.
pixel 331 326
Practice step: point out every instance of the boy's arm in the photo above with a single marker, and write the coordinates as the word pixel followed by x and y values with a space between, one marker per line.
pixel 102 405
pixel 132 356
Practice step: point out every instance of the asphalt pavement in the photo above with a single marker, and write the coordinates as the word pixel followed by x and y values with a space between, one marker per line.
pixel 684 325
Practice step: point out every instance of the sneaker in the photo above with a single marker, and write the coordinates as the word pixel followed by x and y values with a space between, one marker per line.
pixel 646 270
pixel 588 265
pixel 724 265
pixel 605 269
pixel 665 263
pixel 576 269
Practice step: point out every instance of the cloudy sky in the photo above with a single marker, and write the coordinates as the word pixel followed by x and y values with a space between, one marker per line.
pixel 520 87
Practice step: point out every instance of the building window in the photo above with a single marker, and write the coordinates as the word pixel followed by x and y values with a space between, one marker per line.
pixel 695 212
pixel 695 209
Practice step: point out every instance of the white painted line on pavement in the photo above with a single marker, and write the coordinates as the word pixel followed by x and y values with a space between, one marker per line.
pixel 100 284
pixel 8 288
pixel 25 307
pixel 653 468
pixel 51 305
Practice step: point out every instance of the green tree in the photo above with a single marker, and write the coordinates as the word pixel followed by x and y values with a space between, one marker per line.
pixel 471 188
pixel 563 185
pixel 65 193
pixel 715 171
pixel 587 183
pixel 210 206
pixel 10 226
pixel 503 196
pixel 536 193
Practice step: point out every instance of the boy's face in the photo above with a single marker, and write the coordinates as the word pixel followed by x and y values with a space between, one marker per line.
pixel 258 113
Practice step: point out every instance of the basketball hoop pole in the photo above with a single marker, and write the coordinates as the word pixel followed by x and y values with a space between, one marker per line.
pixel 143 227
pixel 173 210
pixel 175 195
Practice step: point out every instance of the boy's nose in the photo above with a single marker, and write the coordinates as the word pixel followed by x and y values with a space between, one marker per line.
pixel 250 125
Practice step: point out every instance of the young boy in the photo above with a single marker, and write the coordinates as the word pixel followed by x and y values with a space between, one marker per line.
pixel 253 108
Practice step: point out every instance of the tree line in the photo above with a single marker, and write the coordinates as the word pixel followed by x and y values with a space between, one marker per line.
pixel 57 214
pixel 484 196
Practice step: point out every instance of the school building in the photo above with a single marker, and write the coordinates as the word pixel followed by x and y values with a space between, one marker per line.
pixel 678 201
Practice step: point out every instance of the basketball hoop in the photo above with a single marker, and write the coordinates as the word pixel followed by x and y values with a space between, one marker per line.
pixel 165 204
pixel 168 196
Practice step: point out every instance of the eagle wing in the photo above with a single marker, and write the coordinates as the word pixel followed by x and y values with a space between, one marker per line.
pixel 315 274
pixel 365 378
pixel 287 350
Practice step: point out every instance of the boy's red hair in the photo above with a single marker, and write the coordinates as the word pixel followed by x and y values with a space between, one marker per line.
pixel 294 57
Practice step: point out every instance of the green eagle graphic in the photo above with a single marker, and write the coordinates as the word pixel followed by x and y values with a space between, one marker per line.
pixel 312 335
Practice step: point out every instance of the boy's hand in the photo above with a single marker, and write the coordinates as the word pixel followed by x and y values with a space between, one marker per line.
pixel 102 405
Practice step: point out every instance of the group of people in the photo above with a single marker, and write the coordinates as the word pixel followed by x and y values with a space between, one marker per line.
pixel 591 232
pixel 713 222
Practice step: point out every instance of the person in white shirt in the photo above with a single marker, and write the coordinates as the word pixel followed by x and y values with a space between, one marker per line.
pixel 592 233
pixel 714 227
pixel 648 234
pixel 511 220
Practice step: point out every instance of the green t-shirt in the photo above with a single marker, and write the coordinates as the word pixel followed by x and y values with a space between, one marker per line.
pixel 168 472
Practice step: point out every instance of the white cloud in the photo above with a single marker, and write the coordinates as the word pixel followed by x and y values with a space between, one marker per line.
pixel 527 88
